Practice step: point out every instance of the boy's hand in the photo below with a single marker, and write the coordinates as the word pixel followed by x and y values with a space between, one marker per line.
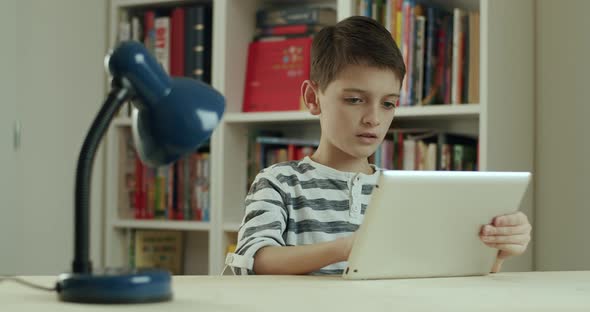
pixel 510 234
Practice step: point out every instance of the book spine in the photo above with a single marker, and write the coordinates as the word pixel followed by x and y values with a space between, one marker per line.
pixel 205 194
pixel 199 41
pixel 420 25
pixel 430 56
pixel 411 52
pixel 198 188
pixel 149 30
pixel 187 188
pixel 160 201
pixel 398 22
pixel 296 15
pixel 149 187
pixel 285 141
pixel 389 17
pixel 198 38
pixel 375 10
pixel 162 44
pixel 131 246
pixel 194 178
pixel 170 193
pixel 456 71
pixel 409 154
pixel 405 44
pixel 136 29
pixel 124 30
pixel 177 42
pixel 138 183
pixel 448 76
pixel 458 157
pixel 189 41
pixel 299 29
pixel 465 58
pixel 180 189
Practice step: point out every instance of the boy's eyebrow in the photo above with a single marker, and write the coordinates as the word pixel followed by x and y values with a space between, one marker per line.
pixel 364 91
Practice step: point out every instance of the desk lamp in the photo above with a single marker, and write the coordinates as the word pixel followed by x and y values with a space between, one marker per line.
pixel 171 117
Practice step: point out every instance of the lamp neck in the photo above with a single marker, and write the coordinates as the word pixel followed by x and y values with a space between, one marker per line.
pixel 120 93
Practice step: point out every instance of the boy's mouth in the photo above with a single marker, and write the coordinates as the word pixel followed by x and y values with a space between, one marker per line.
pixel 367 138
pixel 367 135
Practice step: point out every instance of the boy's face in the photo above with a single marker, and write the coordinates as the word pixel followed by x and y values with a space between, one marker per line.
pixel 356 109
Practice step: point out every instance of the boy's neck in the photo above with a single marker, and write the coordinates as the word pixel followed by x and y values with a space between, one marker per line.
pixel 341 161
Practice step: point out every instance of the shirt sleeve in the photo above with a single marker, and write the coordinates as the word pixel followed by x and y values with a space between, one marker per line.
pixel 264 223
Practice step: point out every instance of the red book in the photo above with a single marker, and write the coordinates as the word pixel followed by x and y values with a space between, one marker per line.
pixel 291 155
pixel 138 188
pixel 149 30
pixel 275 71
pixel 177 42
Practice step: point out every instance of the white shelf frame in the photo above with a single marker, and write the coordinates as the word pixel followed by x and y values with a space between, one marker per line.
pixel 503 118
pixel 177 225
pixel 414 112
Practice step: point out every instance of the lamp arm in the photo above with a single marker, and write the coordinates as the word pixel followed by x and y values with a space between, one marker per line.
pixel 121 92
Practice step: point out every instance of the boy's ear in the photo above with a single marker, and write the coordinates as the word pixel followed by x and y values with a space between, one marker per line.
pixel 310 95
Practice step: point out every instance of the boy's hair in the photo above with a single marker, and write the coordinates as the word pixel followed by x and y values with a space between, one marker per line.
pixel 356 40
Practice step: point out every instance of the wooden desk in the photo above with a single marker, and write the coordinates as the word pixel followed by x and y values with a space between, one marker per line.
pixel 533 291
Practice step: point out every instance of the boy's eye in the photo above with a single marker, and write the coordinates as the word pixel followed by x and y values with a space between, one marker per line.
pixel 353 100
pixel 389 105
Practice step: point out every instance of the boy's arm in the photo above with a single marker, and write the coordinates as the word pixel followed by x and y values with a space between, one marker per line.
pixel 301 259
pixel 261 245
pixel 265 222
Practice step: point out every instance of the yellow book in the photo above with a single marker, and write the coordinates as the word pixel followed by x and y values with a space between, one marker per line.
pixel 159 249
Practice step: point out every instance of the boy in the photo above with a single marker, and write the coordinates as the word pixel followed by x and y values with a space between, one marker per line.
pixel 301 215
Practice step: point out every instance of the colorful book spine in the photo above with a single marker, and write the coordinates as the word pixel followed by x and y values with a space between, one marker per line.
pixel 457 56
pixel 296 15
pixel 419 63
pixel 162 43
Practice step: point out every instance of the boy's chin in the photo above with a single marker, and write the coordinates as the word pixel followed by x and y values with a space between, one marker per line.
pixel 362 152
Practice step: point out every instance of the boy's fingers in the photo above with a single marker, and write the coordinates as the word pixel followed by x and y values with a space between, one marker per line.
pixel 511 219
pixel 521 239
pixel 506 230
pixel 508 249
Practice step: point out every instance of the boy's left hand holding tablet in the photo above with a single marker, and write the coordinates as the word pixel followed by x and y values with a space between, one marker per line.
pixel 510 234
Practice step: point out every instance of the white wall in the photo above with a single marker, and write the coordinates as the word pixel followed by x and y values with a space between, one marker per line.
pixel 58 74
pixel 562 135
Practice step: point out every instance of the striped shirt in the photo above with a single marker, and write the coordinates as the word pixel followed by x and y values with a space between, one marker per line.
pixel 299 203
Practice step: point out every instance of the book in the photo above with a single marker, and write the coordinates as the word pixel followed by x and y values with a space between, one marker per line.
pixel 126 170
pixel 473 73
pixel 177 42
pixel 457 67
pixel 162 42
pixel 296 29
pixel 205 176
pixel 198 42
pixel 159 249
pixel 295 15
pixel 419 59
pixel 434 56
pixel 275 71
pixel 149 30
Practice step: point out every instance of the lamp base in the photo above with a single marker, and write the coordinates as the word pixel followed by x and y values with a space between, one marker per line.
pixel 122 286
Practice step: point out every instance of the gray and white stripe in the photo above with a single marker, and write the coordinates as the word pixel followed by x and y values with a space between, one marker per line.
pixel 299 203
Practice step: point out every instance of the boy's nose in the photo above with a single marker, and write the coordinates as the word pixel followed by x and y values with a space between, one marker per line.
pixel 371 116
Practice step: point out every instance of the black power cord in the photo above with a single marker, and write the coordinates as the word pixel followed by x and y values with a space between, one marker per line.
pixel 26 283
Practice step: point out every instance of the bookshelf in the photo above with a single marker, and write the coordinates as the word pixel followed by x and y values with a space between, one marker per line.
pixel 503 118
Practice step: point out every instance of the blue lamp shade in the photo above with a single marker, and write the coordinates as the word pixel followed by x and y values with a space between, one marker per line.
pixel 172 116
